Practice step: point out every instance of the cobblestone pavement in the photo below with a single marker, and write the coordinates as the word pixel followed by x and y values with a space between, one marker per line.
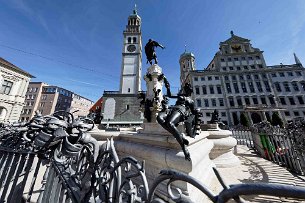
pixel 254 169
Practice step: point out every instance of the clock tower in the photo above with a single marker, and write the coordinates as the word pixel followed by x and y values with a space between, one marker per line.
pixel 132 56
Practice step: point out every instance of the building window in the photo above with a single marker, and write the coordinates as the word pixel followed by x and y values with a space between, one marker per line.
pixel 257 57
pixel 239 102
pixel 260 65
pixel 271 100
pixel 209 78
pixel 243 58
pixel 195 78
pixel 268 89
pixel 198 102
pixel 134 40
pixel 291 100
pixel 226 77
pixel 213 102
pixel 221 102
pixel 290 73
pixel 278 87
pixel 251 87
pixel 249 77
pixel 206 102
pixel 6 87
pixel 295 86
pixel 211 89
pixel 250 58
pixel 228 88
pixel 273 75
pixel 237 68
pixel 252 67
pixel 129 39
pixel 255 101
pixel 246 67
pixel 231 68
pixel 300 99
pixel 235 59
pixel 202 79
pixel 286 86
pixel 236 89
pixel 224 68
pixel 42 104
pixel 282 74
pixel 197 90
pixel 247 100
pixel 208 114
pixel 296 113
pixel 256 77
pixel 204 90
pixel 283 100
pixel 287 113
pixel 231 101
pixel 259 86
pixel 229 59
pixel 222 60
pixel 233 77
pixel 219 89
pixel 303 85
pixel 223 114
pixel 243 87
pixel 263 100
pixel 216 78
pixel 127 107
pixel 298 73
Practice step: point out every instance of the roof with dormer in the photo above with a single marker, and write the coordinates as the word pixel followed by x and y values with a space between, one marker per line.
pixel 234 39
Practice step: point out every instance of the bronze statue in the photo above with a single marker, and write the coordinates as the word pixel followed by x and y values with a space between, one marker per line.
pixel 150 51
pixel 215 117
pixel 182 111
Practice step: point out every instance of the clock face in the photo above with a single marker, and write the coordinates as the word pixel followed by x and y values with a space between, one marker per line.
pixel 131 48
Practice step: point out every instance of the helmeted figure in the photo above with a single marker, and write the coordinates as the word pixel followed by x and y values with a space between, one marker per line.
pixel 150 51
pixel 182 111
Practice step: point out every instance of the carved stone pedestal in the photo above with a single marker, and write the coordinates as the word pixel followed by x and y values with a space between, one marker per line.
pixel 160 151
pixel 222 152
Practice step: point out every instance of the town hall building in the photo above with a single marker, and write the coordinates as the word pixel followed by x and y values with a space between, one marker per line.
pixel 237 81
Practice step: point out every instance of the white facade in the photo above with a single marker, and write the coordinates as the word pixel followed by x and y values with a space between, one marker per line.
pixel 132 56
pixel 237 81
pixel 13 86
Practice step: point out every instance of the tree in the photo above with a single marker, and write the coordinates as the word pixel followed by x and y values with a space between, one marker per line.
pixel 276 120
pixel 244 120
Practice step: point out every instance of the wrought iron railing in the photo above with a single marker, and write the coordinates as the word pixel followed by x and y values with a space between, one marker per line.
pixel 77 168
pixel 283 146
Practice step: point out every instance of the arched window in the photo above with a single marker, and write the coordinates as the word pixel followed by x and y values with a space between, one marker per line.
pixel 134 40
pixel 129 39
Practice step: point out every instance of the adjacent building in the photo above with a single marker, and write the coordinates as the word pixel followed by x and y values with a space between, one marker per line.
pixel 48 99
pixel 237 81
pixel 122 107
pixel 13 86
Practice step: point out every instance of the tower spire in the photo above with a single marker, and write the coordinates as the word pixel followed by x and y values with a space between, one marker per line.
pixel 135 9
pixel 296 59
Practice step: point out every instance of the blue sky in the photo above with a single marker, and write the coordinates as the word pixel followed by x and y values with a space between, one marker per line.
pixel 83 39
